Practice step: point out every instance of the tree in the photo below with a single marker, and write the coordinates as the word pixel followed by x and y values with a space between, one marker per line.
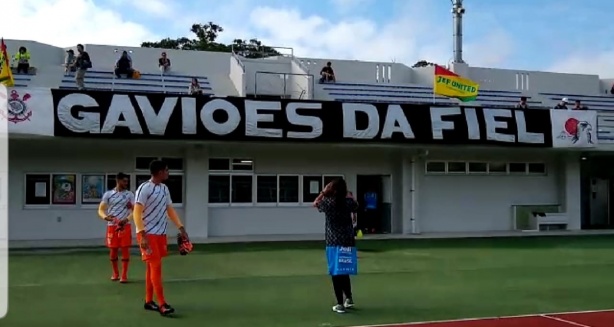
pixel 422 63
pixel 206 36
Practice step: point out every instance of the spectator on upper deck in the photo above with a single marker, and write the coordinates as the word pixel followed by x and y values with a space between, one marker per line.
pixel 164 63
pixel 69 62
pixel 523 103
pixel 123 65
pixel 195 87
pixel 82 63
pixel 579 106
pixel 327 74
pixel 562 104
pixel 22 57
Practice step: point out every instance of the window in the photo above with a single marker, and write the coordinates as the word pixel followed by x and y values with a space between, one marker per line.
pixel 288 189
pixel 174 164
pixel 329 178
pixel 64 189
pixel 478 167
pixel 457 167
pixel 435 167
pixel 142 163
pixel 241 188
pixel 242 165
pixel 175 187
pixel 312 186
pixel 37 189
pixel 266 189
pixel 219 164
pixel 497 168
pixel 140 179
pixel 537 168
pixel 516 168
pixel 219 188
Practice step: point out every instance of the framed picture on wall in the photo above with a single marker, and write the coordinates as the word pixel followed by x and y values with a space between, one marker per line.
pixel 63 189
pixel 92 188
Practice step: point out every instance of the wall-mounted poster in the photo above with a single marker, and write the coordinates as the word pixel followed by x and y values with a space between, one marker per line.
pixel 63 189
pixel 92 188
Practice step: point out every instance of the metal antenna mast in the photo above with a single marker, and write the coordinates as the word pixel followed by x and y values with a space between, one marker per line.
pixel 457 13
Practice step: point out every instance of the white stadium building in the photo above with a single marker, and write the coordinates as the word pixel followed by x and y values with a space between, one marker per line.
pixel 249 156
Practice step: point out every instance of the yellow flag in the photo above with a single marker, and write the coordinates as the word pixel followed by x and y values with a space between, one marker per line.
pixel 451 85
pixel 6 76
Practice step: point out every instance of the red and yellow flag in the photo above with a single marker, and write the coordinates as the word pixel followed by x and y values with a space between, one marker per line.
pixel 6 76
pixel 451 85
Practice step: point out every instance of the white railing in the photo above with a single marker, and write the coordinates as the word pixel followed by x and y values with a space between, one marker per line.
pixel 288 89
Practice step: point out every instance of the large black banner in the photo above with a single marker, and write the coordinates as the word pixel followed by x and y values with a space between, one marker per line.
pixel 156 116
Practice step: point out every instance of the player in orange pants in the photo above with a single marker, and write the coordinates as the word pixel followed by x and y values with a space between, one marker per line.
pixel 116 209
pixel 152 210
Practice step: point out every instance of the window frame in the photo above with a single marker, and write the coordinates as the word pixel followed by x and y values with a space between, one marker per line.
pixel 239 171
pixel 159 158
pixel 88 205
pixel 468 167
pixel 77 191
pixel 498 173
pixel 331 175
pixel 134 181
pixel 457 173
pixel 222 204
pixel 178 204
pixel 229 160
pixel 302 185
pixel 25 184
pixel 300 188
pixel 245 204
pixel 544 173
pixel 255 196
pixel 429 172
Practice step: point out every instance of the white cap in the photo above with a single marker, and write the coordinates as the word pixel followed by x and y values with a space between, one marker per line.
pixel 565 100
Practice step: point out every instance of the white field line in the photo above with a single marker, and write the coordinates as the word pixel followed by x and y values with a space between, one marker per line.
pixel 565 321
pixel 542 315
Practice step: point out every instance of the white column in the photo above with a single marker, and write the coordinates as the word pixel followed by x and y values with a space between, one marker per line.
pixel 570 189
pixel 408 201
pixel 197 192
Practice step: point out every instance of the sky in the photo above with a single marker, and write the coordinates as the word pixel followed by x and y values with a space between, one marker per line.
pixel 571 36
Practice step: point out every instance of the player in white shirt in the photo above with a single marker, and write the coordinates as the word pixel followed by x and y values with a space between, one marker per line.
pixel 116 209
pixel 152 210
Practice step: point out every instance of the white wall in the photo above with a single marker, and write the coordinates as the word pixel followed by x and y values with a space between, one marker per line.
pixel 285 159
pixel 41 54
pixel 193 63
pixel 301 81
pixel 469 203
pixel 217 65
pixel 267 76
pixel 237 75
pixel 606 85
pixel 53 156
pixel 534 81
pixel 355 71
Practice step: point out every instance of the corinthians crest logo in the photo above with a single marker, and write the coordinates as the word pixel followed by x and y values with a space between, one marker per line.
pixel 18 110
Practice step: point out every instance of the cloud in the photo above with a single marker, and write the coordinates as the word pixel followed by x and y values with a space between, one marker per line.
pixel 599 63
pixel 158 8
pixel 412 31
pixel 348 6
pixel 401 38
pixel 68 22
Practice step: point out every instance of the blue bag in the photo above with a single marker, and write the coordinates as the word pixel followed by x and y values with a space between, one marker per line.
pixel 342 260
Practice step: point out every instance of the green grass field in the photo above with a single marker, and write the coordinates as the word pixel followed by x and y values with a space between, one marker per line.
pixel 285 284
